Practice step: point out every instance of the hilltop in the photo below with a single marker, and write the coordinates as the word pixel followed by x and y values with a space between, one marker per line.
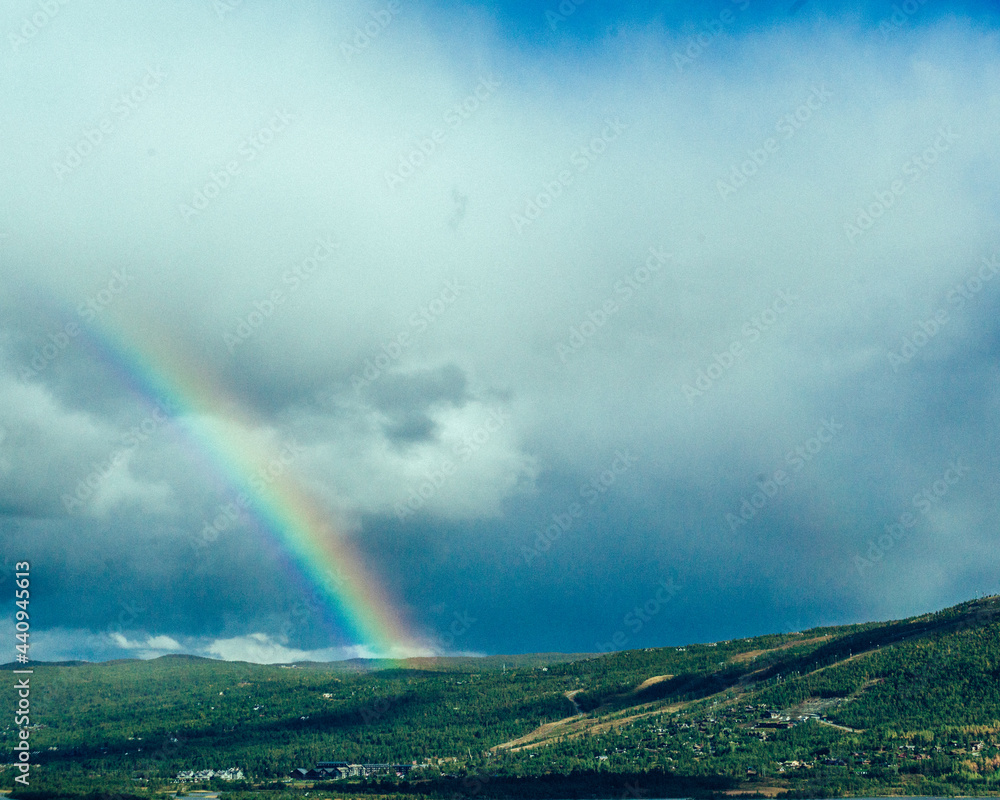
pixel 429 663
pixel 909 706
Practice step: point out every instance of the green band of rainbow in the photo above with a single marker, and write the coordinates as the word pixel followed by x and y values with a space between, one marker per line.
pixel 288 513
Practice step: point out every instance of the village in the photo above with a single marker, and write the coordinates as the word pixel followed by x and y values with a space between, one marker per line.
pixel 337 770
pixel 204 775
pixel 733 729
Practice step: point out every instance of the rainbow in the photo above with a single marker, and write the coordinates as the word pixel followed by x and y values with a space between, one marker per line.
pixel 278 503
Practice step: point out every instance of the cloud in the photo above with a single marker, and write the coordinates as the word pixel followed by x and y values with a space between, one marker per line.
pixel 152 647
pixel 256 648
pixel 454 354
pixel 260 648
pixel 69 460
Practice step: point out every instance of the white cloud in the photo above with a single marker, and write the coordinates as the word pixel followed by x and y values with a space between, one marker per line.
pixel 260 648
pixel 149 647
pixel 68 460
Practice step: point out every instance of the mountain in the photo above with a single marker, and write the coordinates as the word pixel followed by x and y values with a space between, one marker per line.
pixel 909 706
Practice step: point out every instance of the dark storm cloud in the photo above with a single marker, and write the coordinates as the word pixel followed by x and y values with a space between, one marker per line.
pixel 549 310
pixel 405 399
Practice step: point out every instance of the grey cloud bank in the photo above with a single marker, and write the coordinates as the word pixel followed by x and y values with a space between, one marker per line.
pixel 452 379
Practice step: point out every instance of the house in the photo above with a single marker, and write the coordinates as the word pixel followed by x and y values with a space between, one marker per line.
pixel 319 774
pixel 190 776
pixel 338 770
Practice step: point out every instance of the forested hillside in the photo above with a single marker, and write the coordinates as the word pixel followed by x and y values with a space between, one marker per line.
pixel 912 706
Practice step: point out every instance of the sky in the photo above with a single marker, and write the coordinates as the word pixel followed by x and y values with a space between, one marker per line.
pixel 338 329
